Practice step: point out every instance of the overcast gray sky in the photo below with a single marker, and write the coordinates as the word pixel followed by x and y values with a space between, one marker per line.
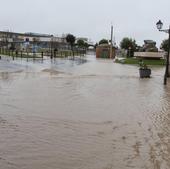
pixel 87 18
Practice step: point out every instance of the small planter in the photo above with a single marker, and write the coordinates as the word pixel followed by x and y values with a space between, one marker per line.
pixel 144 72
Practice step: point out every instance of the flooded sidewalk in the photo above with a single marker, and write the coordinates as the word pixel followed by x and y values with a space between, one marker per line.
pixel 82 114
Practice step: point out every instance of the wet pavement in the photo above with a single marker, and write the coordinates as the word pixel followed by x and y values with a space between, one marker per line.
pixel 82 114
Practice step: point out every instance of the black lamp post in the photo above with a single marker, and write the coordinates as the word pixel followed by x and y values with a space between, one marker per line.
pixel 159 25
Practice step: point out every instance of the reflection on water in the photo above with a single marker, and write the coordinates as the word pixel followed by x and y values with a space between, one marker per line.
pixel 82 114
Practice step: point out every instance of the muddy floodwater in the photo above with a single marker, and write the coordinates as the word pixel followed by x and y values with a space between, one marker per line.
pixel 82 114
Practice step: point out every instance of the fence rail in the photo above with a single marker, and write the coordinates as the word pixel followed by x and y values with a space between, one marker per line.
pixel 40 55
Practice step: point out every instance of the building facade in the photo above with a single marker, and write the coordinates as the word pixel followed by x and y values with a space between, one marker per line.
pixel 29 41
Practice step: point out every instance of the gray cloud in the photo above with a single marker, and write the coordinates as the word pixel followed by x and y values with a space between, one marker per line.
pixel 89 18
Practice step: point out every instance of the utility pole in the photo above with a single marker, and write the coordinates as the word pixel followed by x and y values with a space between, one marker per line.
pixel 111 43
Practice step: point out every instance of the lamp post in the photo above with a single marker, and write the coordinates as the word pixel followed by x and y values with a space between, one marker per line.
pixel 159 25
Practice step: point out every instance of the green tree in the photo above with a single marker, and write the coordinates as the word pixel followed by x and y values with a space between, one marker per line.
pixel 71 40
pixel 128 44
pixel 86 45
pixel 95 46
pixel 80 43
pixel 103 41
pixel 165 45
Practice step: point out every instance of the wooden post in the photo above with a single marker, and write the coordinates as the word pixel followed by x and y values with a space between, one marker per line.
pixel 55 53
pixel 73 54
pixel 16 53
pixel 34 56
pixel 42 55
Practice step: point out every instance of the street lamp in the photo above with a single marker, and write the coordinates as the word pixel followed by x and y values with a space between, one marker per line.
pixel 159 25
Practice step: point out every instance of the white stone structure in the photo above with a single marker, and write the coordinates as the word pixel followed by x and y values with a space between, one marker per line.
pixel 154 55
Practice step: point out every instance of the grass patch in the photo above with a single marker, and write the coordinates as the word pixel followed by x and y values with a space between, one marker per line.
pixel 135 61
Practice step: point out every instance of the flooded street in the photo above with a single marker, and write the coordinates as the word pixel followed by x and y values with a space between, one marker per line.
pixel 82 114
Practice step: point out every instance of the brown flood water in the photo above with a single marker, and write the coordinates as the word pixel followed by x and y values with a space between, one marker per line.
pixel 92 114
